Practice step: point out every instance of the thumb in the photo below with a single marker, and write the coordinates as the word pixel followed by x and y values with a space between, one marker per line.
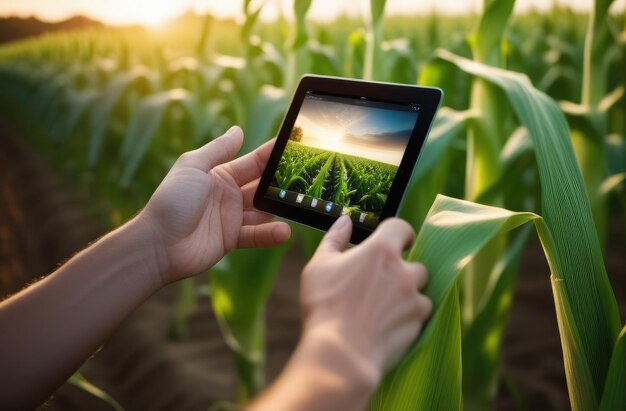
pixel 219 150
pixel 337 237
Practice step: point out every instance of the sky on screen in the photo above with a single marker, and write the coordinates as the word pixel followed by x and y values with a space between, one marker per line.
pixel 157 12
pixel 373 133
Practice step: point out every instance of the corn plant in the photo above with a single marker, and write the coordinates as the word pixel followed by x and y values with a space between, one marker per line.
pixel 117 108
pixel 587 312
pixel 590 118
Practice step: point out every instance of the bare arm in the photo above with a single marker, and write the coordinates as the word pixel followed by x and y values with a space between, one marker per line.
pixel 49 329
pixel 201 211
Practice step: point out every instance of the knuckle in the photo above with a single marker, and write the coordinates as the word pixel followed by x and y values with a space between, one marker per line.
pixel 420 273
pixel 184 158
pixel 384 251
pixel 406 283
pixel 396 224
pixel 425 306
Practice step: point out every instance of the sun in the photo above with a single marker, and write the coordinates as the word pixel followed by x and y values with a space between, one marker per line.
pixel 150 13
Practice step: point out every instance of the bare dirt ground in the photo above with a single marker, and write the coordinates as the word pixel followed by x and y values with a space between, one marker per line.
pixel 43 222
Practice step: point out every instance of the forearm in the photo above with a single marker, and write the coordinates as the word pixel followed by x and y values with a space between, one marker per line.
pixel 323 374
pixel 51 328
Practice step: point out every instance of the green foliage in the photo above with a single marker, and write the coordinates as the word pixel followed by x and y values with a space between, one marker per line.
pixel 116 107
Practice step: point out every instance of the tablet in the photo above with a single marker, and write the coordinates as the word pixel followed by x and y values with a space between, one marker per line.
pixel 346 147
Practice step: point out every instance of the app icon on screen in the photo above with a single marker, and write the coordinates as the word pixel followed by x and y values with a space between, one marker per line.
pixel 299 198
pixel 329 206
pixel 282 193
pixel 314 202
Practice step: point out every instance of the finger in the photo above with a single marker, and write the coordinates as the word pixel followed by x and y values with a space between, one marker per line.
pixel 393 232
pixel 217 152
pixel 253 217
pixel 337 237
pixel 247 193
pixel 424 306
pixel 264 235
pixel 418 275
pixel 251 166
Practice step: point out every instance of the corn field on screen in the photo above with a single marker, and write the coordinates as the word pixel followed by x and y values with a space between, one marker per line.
pixel 343 155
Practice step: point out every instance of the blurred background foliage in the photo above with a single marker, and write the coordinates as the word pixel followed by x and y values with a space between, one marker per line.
pixel 114 107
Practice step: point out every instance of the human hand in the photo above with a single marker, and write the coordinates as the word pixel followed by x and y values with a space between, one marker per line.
pixel 203 208
pixel 364 302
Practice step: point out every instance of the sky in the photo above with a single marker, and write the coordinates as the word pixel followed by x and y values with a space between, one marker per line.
pixel 374 133
pixel 156 12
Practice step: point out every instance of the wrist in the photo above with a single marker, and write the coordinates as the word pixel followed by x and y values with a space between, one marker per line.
pixel 143 239
pixel 325 345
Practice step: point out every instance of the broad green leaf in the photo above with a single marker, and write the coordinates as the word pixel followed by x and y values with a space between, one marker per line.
pixel 139 80
pixel 77 105
pixel 448 125
pixel 264 115
pixel 452 234
pixel 614 395
pixel 579 379
pixel 482 339
pixel 323 59
pixel 400 60
pixel 567 213
pixel 240 285
pixel 145 125
pixel 411 386
pixel 432 169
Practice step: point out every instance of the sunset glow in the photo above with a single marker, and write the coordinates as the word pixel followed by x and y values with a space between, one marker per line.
pixel 154 13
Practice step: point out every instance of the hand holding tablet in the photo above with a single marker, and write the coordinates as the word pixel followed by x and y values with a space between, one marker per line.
pixel 346 147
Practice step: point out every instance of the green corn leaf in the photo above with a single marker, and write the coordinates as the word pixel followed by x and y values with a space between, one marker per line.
pixel 79 380
pixel 323 59
pixel 264 116
pixel 300 8
pixel 138 79
pixel 481 340
pixel 567 213
pixel 488 39
pixel 612 183
pixel 579 379
pixel 417 383
pixel 452 234
pixel 377 10
pixel 448 125
pixel 78 104
pixel 614 396
pixel 400 60
pixel 429 176
pixel 240 285
pixel 145 125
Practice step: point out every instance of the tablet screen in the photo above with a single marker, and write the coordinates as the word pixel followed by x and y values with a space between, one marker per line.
pixel 342 156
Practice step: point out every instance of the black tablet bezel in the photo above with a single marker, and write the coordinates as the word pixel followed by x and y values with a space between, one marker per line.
pixel 427 99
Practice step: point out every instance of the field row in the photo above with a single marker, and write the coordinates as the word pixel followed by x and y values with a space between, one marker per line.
pixel 355 183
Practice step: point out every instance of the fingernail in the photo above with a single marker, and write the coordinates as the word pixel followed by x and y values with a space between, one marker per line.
pixel 341 222
pixel 231 130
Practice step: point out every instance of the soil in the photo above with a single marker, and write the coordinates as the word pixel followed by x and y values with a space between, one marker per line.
pixel 43 221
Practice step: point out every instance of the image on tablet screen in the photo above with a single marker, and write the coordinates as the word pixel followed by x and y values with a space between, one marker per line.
pixel 342 156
